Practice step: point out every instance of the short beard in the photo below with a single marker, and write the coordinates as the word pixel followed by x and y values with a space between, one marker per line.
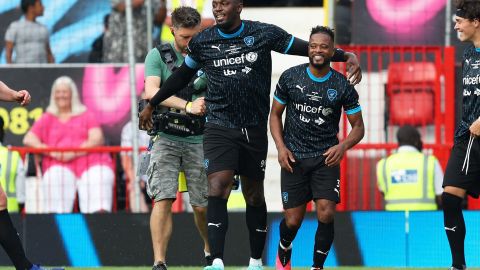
pixel 325 63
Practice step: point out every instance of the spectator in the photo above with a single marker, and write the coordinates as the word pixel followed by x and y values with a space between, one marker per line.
pixel 115 48
pixel 67 123
pixel 28 38
pixel 204 7
pixel 96 54
pixel 409 179
pixel 126 141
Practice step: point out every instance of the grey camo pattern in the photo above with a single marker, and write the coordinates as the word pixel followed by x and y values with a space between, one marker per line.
pixel 168 158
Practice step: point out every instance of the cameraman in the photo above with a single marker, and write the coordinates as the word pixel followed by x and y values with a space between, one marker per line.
pixel 179 140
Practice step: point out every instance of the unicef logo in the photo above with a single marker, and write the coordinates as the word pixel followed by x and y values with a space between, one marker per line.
pixel 252 57
pixel 327 111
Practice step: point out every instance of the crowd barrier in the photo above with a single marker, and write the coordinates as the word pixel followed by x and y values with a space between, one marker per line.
pixel 120 192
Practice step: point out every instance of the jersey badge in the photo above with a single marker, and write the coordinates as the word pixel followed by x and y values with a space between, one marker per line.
pixel 249 41
pixel 332 94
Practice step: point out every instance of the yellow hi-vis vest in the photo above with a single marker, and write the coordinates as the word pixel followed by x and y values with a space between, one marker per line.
pixel 407 181
pixel 8 173
pixel 166 35
pixel 236 202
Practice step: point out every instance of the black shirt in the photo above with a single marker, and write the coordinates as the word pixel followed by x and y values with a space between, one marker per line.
pixel 471 92
pixel 314 106
pixel 238 67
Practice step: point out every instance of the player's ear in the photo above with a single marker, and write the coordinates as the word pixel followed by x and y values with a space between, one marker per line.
pixel 239 6
pixel 333 50
pixel 172 30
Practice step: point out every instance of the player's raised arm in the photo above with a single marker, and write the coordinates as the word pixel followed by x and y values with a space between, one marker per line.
pixel 354 72
pixel 7 94
pixel 176 82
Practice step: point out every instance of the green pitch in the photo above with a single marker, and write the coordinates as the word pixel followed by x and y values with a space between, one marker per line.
pixel 243 268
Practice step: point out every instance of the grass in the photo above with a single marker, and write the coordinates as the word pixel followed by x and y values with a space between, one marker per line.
pixel 243 268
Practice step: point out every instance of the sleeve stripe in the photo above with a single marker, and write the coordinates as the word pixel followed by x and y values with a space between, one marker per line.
pixel 279 100
pixel 355 110
pixel 190 62
pixel 289 45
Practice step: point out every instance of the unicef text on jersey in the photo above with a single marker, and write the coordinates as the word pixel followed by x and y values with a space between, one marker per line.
pixel 250 57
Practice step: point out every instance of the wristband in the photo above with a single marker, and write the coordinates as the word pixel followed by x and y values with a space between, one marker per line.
pixel 188 107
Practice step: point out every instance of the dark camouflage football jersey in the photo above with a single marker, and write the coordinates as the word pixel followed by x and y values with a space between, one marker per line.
pixel 238 67
pixel 314 106
pixel 471 92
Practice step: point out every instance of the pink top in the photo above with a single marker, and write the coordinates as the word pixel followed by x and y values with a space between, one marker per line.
pixel 54 133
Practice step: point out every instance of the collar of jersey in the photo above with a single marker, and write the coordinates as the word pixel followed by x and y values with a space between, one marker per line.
pixel 477 49
pixel 236 34
pixel 321 79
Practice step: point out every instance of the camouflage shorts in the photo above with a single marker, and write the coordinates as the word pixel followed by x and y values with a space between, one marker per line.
pixel 168 159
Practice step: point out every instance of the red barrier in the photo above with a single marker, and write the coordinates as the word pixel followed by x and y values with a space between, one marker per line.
pixel 389 96
pixel 114 151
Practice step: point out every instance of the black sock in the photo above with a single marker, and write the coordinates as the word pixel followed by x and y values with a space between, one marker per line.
pixel 11 242
pixel 257 227
pixel 286 238
pixel 217 221
pixel 454 227
pixel 323 243
pixel 286 234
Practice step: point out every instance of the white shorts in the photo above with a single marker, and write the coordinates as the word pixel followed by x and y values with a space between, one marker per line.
pixel 95 189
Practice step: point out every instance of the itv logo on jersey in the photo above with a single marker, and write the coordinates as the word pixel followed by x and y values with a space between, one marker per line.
pixel 228 72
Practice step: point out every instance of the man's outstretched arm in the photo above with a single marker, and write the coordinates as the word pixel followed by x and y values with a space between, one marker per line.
pixel 354 72
pixel 176 82
pixel 6 94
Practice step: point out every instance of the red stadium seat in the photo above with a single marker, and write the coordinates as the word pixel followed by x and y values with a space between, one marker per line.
pixel 410 93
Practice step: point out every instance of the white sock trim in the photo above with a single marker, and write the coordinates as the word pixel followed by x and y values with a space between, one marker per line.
pixel 286 248
pixel 255 262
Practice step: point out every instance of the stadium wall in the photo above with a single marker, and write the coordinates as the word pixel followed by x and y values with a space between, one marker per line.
pixel 373 239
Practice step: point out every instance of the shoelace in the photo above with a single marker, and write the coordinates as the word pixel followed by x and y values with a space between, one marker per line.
pixel 466 161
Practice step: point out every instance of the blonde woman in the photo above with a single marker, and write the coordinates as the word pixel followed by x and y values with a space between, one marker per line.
pixel 68 123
